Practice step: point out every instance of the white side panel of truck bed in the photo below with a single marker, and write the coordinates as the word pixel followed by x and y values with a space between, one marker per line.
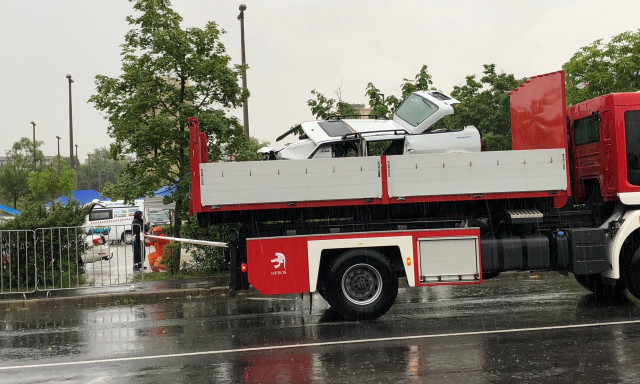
pixel 290 180
pixel 471 173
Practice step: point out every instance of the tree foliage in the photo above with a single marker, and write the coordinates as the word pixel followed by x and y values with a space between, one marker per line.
pixel 23 157
pixel 47 184
pixel 14 183
pixel 99 170
pixel 323 107
pixel 168 75
pixel 485 104
pixel 600 68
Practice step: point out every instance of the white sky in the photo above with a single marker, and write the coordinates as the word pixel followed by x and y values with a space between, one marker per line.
pixel 292 47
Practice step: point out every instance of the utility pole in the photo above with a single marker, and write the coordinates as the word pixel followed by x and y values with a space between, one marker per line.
pixel 34 145
pixel 245 105
pixel 70 124
pixel 59 164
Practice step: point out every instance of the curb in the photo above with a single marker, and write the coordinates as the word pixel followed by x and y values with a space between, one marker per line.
pixel 133 297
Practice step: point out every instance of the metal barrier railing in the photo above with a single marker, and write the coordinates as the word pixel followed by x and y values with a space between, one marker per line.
pixel 66 257
pixel 16 245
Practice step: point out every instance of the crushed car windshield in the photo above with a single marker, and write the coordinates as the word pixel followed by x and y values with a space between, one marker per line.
pixel 415 110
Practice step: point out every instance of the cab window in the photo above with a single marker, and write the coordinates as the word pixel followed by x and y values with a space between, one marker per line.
pixel 586 131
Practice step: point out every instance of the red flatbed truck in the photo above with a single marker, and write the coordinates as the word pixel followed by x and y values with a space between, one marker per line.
pixel 565 198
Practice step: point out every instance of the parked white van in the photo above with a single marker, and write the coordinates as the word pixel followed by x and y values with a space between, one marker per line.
pixel 112 219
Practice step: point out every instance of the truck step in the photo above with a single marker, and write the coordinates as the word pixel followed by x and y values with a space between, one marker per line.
pixel 524 216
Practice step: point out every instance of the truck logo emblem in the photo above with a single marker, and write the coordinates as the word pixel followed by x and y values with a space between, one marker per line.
pixel 279 260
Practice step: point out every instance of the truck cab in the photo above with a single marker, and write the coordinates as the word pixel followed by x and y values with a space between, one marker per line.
pixel 605 146
pixel 409 132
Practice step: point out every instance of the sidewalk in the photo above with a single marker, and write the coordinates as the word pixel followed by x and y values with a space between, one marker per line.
pixel 146 292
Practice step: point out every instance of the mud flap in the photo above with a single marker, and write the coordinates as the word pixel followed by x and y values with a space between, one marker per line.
pixel 237 256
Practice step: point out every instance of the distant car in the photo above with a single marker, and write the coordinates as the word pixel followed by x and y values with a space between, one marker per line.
pixel 409 132
pixel 159 218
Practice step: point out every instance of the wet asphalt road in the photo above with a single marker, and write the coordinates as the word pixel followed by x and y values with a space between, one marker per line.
pixel 508 330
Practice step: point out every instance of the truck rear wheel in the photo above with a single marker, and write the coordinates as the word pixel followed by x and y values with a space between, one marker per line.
pixel 361 284
pixel 595 284
pixel 630 270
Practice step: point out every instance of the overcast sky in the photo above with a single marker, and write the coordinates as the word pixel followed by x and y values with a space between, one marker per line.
pixel 292 47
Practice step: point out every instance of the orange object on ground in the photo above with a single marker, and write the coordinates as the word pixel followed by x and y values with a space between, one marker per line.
pixel 155 258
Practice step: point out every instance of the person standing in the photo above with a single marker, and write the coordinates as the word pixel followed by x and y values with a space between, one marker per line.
pixel 137 226
pixel 156 258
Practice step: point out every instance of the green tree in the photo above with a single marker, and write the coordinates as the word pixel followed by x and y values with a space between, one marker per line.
pixel 14 177
pixel 600 68
pixel 485 104
pixel 168 75
pixel 47 185
pixel 14 183
pixel 99 170
pixel 421 82
pixel 21 154
pixel 323 107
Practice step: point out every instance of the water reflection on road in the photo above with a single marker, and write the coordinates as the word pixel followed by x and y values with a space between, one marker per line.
pixel 450 334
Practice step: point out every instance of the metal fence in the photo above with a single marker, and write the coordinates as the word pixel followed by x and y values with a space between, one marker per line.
pixel 66 257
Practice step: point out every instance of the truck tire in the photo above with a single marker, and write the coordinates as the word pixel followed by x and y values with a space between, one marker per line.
pixel 324 291
pixel 361 284
pixel 630 269
pixel 595 284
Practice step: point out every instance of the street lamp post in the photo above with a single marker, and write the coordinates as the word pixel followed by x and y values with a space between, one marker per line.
pixel 34 145
pixel 70 124
pixel 100 178
pixel 76 160
pixel 245 105
pixel 59 166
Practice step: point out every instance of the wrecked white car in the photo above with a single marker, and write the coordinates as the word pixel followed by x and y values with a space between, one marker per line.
pixel 410 132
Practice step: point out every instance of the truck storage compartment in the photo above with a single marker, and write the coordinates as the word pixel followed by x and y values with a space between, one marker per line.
pixel 588 253
pixel 448 259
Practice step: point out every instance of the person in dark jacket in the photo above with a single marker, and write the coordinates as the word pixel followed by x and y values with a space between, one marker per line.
pixel 138 250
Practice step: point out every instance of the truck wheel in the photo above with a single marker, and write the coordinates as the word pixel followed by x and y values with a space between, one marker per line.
pixel 595 284
pixel 630 270
pixel 324 291
pixel 126 237
pixel 361 284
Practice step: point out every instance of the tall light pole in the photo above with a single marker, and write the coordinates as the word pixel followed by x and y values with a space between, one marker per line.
pixel 70 124
pixel 59 166
pixel 89 171
pixel 245 105
pixel 34 145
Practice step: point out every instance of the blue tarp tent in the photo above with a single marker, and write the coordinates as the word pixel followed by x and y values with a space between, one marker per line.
pixel 9 210
pixel 155 202
pixel 83 196
pixel 165 191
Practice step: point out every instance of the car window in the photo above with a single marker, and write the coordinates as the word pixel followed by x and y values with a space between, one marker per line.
pixel 334 128
pixel 158 216
pixel 338 149
pixel 385 147
pixel 415 109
